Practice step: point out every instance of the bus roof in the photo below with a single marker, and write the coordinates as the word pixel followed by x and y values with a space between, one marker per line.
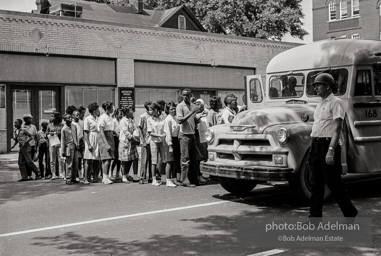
pixel 327 53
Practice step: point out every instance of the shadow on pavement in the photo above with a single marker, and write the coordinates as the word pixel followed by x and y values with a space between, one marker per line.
pixel 18 191
pixel 219 237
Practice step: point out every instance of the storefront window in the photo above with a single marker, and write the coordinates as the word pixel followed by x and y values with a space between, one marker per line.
pixel 3 114
pixel 83 96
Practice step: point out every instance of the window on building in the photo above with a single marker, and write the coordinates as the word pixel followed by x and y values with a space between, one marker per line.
pixel 3 114
pixel 343 9
pixel 355 8
pixel 356 36
pixel 332 10
pixel 83 96
pixel 182 22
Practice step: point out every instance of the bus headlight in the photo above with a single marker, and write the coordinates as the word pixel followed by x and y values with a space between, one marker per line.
pixel 209 135
pixel 283 135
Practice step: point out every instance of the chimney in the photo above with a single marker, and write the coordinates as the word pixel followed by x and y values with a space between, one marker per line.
pixel 138 4
pixel 42 6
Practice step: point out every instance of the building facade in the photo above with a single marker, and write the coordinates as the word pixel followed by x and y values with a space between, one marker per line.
pixel 346 19
pixel 49 62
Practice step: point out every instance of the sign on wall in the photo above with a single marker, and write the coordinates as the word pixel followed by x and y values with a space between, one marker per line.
pixel 127 97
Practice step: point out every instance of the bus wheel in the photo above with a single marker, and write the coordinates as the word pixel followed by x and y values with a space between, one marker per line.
pixel 237 187
pixel 302 184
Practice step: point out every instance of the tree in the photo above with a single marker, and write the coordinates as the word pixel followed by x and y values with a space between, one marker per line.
pixel 267 19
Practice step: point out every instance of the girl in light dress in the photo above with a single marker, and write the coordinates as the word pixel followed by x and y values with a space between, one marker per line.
pixel 106 139
pixel 128 141
pixel 171 128
pixel 91 137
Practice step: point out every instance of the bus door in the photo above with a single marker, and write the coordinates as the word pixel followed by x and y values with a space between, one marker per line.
pixel 364 120
pixel 254 92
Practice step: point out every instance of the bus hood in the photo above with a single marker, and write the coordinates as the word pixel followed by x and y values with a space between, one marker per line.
pixel 260 119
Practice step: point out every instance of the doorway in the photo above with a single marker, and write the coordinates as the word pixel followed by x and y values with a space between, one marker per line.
pixel 39 101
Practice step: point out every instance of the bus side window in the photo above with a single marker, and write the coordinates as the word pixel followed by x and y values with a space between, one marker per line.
pixel 377 80
pixel 363 86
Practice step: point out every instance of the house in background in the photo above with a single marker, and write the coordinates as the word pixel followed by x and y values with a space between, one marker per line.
pixel 346 19
pixel 178 17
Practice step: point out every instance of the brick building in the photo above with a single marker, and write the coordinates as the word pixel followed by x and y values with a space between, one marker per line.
pixel 49 61
pixel 347 19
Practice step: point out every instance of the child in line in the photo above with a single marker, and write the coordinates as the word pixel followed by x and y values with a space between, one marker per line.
pixel 145 163
pixel 69 147
pixel 43 151
pixel 155 127
pixel 22 137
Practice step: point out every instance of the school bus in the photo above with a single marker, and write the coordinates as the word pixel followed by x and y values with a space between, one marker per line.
pixel 271 140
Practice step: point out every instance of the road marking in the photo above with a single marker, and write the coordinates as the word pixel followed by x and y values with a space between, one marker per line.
pixel 117 218
pixel 267 253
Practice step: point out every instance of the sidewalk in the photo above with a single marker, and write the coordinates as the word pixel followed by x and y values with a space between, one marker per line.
pixel 8 158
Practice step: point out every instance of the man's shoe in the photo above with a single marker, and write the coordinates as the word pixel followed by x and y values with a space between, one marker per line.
pixel 75 181
pixel 86 182
pixel 188 185
pixel 129 178
pixel 202 180
pixel 69 183
pixel 125 180
pixel 22 179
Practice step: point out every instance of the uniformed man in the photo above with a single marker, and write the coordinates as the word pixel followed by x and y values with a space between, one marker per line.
pixel 324 158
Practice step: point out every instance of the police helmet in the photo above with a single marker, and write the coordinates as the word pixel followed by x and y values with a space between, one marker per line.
pixel 325 78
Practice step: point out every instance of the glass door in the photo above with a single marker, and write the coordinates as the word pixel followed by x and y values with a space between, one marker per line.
pixel 21 103
pixel 40 102
pixel 47 104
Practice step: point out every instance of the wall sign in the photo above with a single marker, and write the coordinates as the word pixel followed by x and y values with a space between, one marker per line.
pixel 127 97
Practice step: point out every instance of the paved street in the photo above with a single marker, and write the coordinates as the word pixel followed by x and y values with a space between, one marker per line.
pixel 51 218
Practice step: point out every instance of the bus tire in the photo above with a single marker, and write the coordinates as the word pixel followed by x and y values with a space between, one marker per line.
pixel 302 184
pixel 237 187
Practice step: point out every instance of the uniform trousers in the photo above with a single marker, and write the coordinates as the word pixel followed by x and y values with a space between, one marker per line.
pixel 322 174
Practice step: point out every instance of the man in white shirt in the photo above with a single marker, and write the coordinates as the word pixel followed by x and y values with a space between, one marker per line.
pixel 325 152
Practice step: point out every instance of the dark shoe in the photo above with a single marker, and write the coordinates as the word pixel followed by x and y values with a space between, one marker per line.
pixel 177 182
pixel 75 181
pixel 69 183
pixel 188 185
pixel 202 180
pixel 23 179
pixel 149 180
pixel 129 178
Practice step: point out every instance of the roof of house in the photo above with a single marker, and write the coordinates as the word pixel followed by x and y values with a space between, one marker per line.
pixel 126 14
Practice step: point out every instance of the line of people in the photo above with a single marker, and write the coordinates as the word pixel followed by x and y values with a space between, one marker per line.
pixel 171 136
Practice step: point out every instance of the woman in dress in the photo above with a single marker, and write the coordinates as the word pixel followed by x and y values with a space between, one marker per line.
pixel 118 115
pixel 106 139
pixel 127 142
pixel 54 132
pixel 171 129
pixel 91 137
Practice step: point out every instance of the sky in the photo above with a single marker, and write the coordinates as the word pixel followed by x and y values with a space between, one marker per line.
pixel 28 5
